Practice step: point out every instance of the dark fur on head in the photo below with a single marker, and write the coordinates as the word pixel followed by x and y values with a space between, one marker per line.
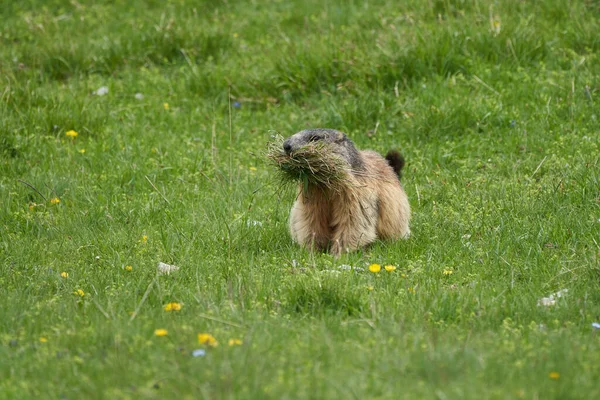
pixel 395 159
pixel 341 144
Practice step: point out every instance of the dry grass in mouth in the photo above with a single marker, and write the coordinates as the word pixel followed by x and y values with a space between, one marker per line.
pixel 314 164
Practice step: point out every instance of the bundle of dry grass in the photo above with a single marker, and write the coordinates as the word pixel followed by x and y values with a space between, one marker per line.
pixel 314 164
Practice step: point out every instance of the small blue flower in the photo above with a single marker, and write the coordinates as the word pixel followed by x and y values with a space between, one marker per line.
pixel 237 104
pixel 199 353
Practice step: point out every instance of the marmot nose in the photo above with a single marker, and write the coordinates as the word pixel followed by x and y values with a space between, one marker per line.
pixel 287 147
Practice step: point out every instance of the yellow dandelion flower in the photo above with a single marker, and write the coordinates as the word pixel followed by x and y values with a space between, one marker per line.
pixel 54 200
pixel 411 290
pixel 43 340
pixel 79 292
pixel 252 168
pixel 144 239
pixel 161 332
pixel 81 151
pixel 370 288
pixel 235 35
pixel 390 268
pixel 71 134
pixel 234 342
pixel 208 339
pixel 374 268
pixel 447 271
pixel 166 106
pixel 172 307
pixel 554 375
pixel 64 274
pixel 128 268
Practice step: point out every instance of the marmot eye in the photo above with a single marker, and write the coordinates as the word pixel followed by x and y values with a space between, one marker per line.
pixel 313 138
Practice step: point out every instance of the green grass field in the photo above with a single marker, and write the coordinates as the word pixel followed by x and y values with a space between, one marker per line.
pixel 494 104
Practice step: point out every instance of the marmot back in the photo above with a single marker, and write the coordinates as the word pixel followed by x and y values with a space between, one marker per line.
pixel 369 204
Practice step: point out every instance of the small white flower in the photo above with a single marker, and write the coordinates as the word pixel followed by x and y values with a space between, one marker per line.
pixel 254 223
pixel 97 257
pixel 551 300
pixel 139 96
pixel 465 239
pixel 561 293
pixel 101 91
pixel 330 271
pixel 595 325
pixel 546 301
pixel 166 268
pixel 346 267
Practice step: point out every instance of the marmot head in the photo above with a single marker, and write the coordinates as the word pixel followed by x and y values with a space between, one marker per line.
pixel 335 141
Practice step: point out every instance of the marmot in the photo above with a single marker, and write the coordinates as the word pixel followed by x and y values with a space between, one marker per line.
pixel 371 204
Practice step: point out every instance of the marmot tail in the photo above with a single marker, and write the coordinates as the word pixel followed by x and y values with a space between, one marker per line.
pixel 395 159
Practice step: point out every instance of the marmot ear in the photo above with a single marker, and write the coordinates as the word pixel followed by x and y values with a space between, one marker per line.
pixel 340 136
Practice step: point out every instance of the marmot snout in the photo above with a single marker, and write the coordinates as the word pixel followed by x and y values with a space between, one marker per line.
pixel 370 204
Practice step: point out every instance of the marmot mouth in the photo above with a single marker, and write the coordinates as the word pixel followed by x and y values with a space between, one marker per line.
pixel 313 164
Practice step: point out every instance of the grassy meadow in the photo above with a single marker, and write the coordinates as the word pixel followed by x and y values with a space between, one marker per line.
pixel 134 132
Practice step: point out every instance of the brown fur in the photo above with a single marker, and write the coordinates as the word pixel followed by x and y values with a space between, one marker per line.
pixel 373 205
